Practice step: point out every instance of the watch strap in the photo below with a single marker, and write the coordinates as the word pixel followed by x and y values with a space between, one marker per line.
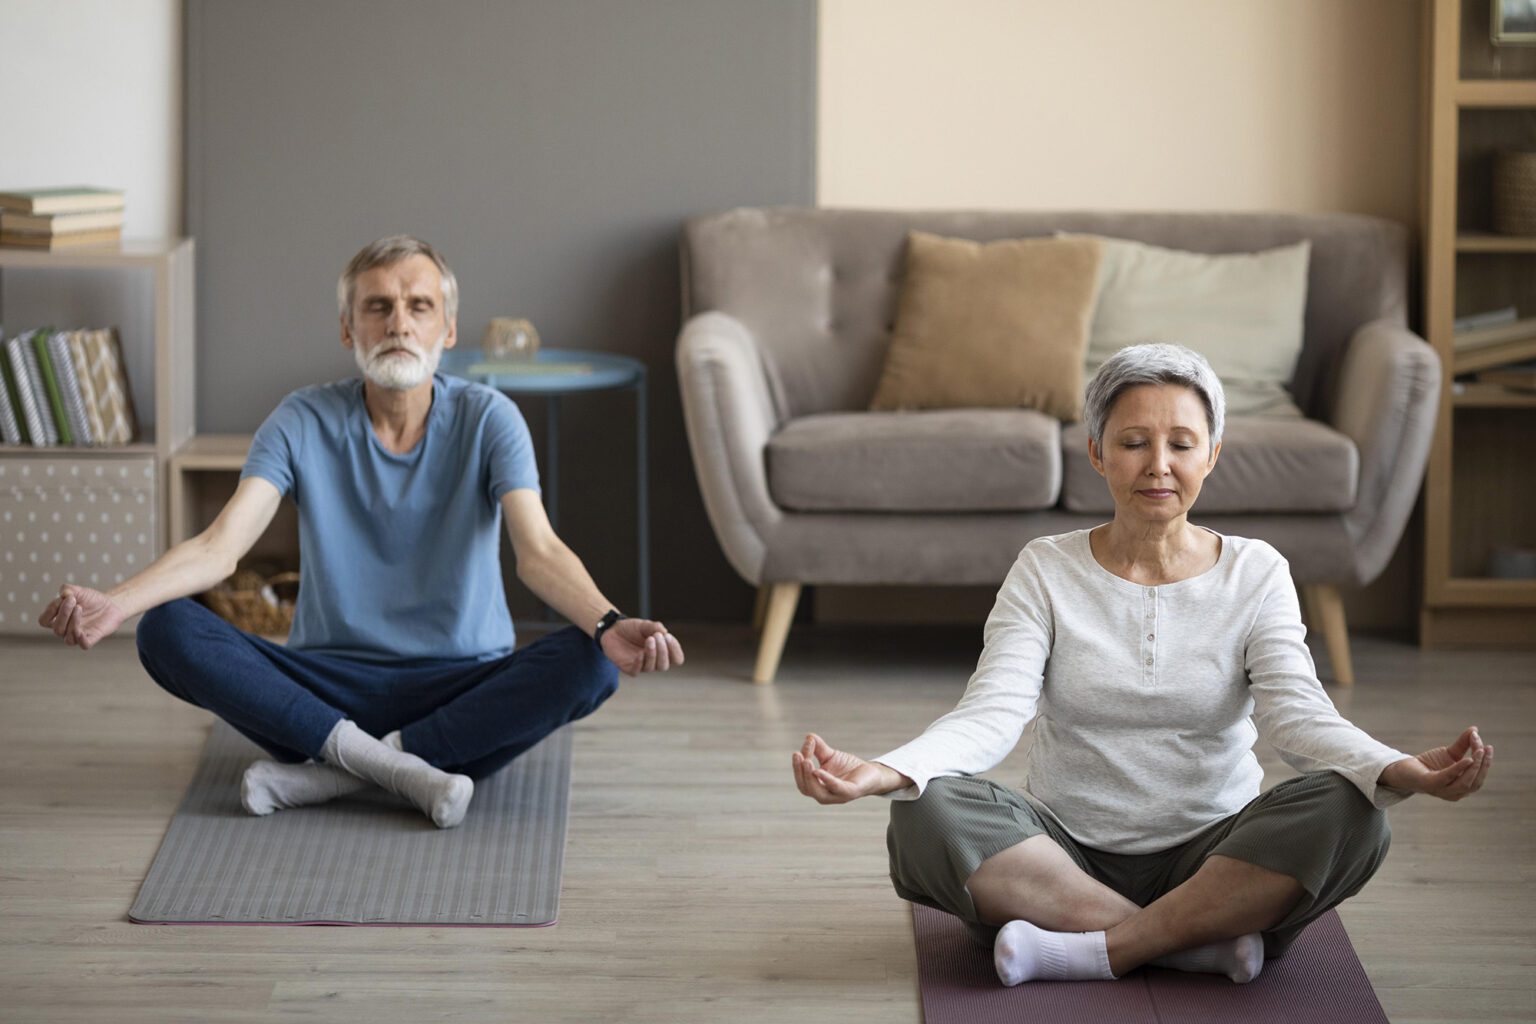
pixel 609 618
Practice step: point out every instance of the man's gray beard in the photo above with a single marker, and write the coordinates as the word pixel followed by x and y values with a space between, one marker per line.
pixel 395 374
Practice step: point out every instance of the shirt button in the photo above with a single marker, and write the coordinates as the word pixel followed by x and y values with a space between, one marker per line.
pixel 1149 663
pixel 1151 636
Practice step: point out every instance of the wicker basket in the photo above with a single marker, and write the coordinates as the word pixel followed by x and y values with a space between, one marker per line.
pixel 1514 194
pixel 256 603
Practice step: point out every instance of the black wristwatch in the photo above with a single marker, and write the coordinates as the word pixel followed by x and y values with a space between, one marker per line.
pixel 608 619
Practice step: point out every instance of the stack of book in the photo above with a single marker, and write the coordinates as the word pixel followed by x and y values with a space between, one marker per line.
pixel 65 388
pixel 57 218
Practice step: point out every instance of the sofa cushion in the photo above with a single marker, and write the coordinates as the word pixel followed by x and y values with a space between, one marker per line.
pixel 995 325
pixel 946 460
pixel 1242 311
pixel 1267 464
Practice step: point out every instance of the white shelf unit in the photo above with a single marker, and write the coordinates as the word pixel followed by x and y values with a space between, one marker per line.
pixel 98 514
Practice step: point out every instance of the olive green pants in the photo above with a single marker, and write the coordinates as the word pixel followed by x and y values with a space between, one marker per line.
pixel 1317 828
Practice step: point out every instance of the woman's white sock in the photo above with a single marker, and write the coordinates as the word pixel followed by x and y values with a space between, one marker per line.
pixel 442 797
pixel 273 786
pixel 1240 959
pixel 1023 952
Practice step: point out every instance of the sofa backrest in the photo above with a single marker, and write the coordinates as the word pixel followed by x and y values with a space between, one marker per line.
pixel 818 288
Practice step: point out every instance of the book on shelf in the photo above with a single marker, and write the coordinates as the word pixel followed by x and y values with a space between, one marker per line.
pixel 69 387
pixel 59 223
pixel 1484 347
pixel 1519 376
pixel 50 243
pixel 51 385
pixel 104 364
pixel 1489 318
pixel 47 435
pixel 26 399
pixel 71 199
pixel 1494 334
pixel 82 365
pixel 10 426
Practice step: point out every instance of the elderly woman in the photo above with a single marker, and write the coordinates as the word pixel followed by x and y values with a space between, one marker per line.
pixel 1149 652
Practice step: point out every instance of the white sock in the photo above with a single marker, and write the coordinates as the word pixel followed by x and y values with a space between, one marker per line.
pixel 1240 959
pixel 1023 952
pixel 442 797
pixel 273 786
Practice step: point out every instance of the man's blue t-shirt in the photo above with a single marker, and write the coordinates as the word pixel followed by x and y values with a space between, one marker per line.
pixel 400 553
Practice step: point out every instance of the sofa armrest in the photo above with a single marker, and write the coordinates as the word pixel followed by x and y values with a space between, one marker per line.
pixel 729 414
pixel 1389 390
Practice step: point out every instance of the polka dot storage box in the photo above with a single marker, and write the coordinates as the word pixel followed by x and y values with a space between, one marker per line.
pixel 77 520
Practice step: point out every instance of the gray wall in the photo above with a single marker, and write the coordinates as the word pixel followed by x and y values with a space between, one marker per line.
pixel 550 150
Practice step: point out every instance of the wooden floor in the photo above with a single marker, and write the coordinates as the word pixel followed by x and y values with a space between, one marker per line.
pixel 699 885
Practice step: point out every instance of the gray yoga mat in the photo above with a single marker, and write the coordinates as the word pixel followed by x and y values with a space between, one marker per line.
pixel 367 859
pixel 1319 980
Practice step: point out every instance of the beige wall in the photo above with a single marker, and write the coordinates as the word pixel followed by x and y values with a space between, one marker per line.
pixel 1120 104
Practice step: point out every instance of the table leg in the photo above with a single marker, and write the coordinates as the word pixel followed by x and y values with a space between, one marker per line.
pixel 552 460
pixel 642 496
pixel 552 472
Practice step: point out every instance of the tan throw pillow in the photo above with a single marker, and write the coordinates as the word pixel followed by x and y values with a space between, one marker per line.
pixel 1242 311
pixel 993 325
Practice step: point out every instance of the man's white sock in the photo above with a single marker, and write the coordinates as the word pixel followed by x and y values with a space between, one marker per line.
pixel 1240 959
pixel 273 786
pixel 442 797
pixel 1023 952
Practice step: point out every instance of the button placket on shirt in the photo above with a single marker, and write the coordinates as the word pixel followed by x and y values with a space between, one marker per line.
pixel 1149 634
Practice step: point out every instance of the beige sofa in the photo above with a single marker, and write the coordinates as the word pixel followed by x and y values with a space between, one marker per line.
pixel 788 314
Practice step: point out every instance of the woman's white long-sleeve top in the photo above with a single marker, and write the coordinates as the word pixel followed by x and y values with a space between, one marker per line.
pixel 1148 699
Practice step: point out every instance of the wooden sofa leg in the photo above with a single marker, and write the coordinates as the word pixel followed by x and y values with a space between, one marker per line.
pixel 782 598
pixel 1326 610
pixel 760 610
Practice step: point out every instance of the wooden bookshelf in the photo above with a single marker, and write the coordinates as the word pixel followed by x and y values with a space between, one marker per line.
pixel 1479 490
pixel 99 514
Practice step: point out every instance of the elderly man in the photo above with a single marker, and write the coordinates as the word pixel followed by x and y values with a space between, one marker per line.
pixel 400 670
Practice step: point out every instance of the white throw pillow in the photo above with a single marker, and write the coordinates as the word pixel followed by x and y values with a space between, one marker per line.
pixel 1242 311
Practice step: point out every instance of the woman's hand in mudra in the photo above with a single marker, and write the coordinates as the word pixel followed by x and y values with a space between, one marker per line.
pixel 1449 772
pixel 831 776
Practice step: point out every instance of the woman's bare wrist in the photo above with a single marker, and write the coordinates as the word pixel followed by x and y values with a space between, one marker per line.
pixel 891 779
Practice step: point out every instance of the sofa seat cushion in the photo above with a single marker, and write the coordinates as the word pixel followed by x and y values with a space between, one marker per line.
pixel 1267 464
pixel 949 460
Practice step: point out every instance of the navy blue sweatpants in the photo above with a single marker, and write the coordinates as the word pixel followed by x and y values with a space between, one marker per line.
pixel 460 715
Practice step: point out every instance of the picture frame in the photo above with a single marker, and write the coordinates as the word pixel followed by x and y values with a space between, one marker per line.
pixel 1514 22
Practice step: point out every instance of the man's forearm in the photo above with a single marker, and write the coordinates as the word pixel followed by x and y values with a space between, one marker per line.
pixel 190 567
pixel 559 579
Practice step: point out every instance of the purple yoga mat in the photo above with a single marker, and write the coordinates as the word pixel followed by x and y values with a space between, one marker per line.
pixel 1319 980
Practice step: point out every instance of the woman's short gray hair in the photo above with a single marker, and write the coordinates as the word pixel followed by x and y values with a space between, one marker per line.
pixel 387 251
pixel 1153 364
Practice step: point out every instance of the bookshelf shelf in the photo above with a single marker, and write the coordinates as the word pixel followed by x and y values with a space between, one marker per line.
pixel 117 451
pixel 1488 93
pixel 122 492
pixel 148 253
pixel 1491 396
pixel 1479 242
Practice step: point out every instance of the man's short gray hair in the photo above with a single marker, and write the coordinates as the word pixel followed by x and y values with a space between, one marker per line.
pixel 1153 364
pixel 387 251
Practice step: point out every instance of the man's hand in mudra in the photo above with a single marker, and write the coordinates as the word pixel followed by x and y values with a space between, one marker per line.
pixel 831 776
pixel 640 645
pixel 81 616
pixel 1450 772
